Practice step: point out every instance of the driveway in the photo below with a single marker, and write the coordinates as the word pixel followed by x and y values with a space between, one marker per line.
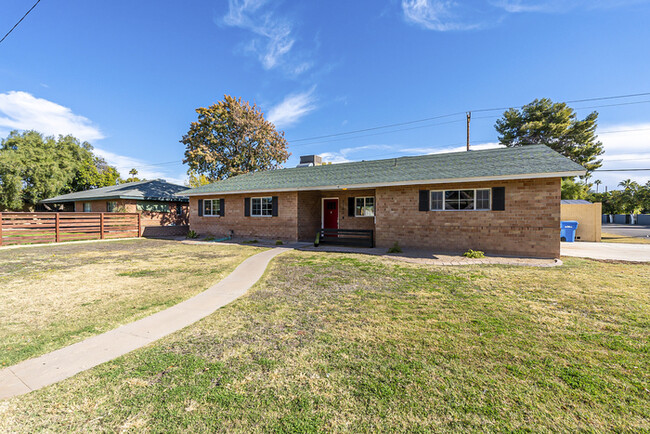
pixel 637 231
pixel 615 251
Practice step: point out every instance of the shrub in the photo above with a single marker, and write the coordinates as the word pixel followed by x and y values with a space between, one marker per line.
pixel 474 254
pixel 395 249
pixel 210 238
pixel 192 234
pixel 250 242
pixel 278 242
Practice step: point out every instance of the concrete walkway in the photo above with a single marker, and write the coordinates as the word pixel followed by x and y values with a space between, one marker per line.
pixel 611 251
pixel 58 365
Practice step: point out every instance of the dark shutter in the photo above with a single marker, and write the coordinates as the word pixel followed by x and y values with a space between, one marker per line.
pixel 222 207
pixel 274 206
pixel 247 207
pixel 350 207
pixel 498 198
pixel 200 207
pixel 424 200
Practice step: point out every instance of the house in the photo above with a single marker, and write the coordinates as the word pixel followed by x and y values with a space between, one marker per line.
pixel 502 201
pixel 162 211
pixel 587 214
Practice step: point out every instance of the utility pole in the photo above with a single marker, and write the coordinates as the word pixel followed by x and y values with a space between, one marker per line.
pixel 469 117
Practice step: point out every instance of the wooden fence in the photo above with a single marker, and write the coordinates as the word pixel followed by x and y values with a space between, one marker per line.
pixel 49 227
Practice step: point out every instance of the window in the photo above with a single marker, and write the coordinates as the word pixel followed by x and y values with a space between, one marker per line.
pixel 262 206
pixel 211 207
pixel 365 207
pixel 110 206
pixel 151 206
pixel 460 200
pixel 179 210
pixel 88 207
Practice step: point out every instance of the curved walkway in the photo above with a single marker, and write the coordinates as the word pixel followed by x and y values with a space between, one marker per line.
pixel 58 365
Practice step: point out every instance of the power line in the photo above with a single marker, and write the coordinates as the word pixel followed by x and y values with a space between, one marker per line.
pixel 621 170
pixel 475 111
pixel 19 21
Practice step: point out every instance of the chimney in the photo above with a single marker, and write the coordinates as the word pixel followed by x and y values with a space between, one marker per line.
pixel 310 160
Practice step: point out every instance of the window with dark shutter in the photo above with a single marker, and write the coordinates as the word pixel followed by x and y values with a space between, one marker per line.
pixel 274 206
pixel 424 200
pixel 247 207
pixel 350 207
pixel 222 207
pixel 498 198
pixel 200 207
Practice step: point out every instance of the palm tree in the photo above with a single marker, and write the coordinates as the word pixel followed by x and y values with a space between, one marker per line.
pixel 597 182
pixel 628 184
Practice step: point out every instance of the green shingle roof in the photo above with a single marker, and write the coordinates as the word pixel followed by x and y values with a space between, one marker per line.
pixel 523 162
pixel 156 189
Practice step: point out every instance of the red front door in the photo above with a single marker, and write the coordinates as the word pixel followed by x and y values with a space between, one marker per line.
pixel 330 214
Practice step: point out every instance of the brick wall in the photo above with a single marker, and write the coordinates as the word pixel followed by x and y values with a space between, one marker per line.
pixel 283 227
pixel 148 218
pixel 529 226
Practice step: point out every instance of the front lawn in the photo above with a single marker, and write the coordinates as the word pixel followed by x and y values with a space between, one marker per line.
pixel 350 343
pixel 56 295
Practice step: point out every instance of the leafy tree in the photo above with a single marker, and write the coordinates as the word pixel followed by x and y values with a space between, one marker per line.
pixel 232 137
pixel 574 190
pixel 33 168
pixel 197 180
pixel 597 184
pixel 543 122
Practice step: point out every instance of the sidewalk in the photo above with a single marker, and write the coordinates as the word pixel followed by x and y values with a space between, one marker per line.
pixel 58 365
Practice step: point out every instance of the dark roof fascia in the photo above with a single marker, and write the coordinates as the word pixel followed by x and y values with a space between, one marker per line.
pixel 88 199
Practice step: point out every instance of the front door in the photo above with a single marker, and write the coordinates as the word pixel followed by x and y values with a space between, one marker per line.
pixel 330 213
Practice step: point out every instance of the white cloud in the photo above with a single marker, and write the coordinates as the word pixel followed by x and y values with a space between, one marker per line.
pixel 344 155
pixel 560 6
pixel 145 169
pixel 626 147
pixel 439 15
pixel 292 108
pixel 448 149
pixel 23 111
pixel 274 35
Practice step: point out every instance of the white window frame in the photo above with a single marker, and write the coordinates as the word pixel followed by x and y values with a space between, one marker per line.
pixel 90 207
pixel 108 206
pixel 212 202
pixel 365 198
pixel 261 198
pixel 489 208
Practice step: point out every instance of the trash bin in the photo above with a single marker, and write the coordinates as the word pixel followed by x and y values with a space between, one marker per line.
pixel 568 230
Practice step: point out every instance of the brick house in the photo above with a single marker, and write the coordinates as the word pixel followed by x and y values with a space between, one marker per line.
pixel 502 201
pixel 162 211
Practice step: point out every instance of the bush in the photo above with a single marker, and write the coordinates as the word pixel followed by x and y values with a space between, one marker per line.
pixel 210 238
pixel 395 249
pixel 192 234
pixel 474 254
pixel 250 242
pixel 278 242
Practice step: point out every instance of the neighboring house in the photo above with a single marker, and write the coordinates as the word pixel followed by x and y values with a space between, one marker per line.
pixel 587 214
pixel 162 211
pixel 504 201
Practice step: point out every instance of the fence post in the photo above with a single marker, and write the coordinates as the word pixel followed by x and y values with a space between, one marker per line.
pixel 56 227
pixel 0 228
pixel 139 228
pixel 101 226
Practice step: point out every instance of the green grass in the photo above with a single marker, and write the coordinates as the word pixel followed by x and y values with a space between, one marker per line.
pixel 342 343
pixel 53 296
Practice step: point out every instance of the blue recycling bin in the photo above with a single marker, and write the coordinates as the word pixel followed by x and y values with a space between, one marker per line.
pixel 568 230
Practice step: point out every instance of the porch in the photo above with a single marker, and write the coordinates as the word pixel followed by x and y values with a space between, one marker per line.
pixel 347 210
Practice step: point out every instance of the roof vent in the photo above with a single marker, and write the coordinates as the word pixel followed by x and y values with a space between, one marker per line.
pixel 310 160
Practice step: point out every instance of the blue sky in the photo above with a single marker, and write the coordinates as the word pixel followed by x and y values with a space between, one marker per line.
pixel 127 76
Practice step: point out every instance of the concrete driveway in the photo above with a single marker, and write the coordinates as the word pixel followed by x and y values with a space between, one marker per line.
pixel 615 251
pixel 637 231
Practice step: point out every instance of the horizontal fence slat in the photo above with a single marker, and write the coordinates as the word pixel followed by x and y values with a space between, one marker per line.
pixel 41 227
